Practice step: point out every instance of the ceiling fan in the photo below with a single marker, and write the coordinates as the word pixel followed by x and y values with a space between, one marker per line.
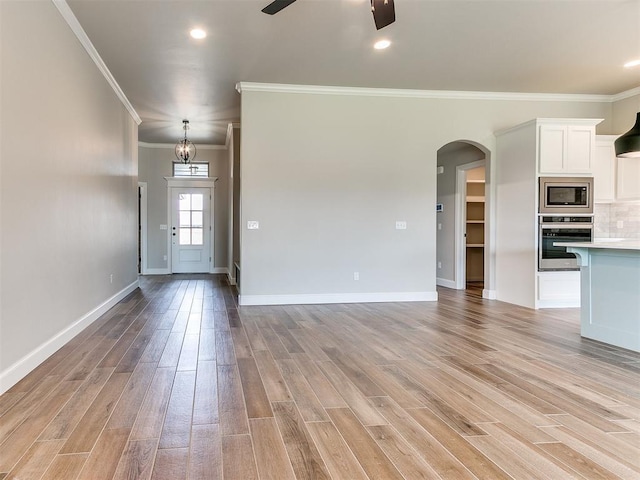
pixel 383 11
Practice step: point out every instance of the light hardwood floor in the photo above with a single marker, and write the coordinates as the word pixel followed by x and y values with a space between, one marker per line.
pixel 177 382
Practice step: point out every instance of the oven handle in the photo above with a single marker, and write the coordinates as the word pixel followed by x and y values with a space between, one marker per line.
pixel 566 225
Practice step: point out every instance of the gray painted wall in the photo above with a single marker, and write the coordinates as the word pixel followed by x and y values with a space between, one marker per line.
pixel 328 175
pixel 155 163
pixel 68 182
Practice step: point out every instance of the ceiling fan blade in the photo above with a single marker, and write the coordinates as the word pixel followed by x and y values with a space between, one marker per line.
pixel 384 13
pixel 276 6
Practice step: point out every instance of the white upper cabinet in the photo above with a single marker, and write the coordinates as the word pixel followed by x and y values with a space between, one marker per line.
pixel 604 170
pixel 628 179
pixel 566 148
pixel 615 179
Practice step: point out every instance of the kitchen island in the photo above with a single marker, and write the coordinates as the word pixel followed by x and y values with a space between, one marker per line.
pixel 609 290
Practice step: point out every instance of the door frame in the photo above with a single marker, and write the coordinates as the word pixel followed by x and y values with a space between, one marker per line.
pixel 460 221
pixel 191 182
pixel 142 220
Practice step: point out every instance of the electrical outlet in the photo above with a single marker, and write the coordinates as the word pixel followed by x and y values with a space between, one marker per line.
pixel 439 264
pixel 620 224
pixel 164 257
pixel 253 225
pixel 111 278
pixel 439 226
pixel 356 275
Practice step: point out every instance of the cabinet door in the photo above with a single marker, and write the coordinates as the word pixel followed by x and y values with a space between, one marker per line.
pixel 628 179
pixel 580 145
pixel 604 171
pixel 552 153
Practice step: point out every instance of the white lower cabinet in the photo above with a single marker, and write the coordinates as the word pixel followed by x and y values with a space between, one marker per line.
pixel 558 289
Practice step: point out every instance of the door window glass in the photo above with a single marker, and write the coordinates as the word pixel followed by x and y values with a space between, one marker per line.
pixel 191 217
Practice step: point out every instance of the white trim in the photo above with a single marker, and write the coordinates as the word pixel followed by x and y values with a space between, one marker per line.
pixel 460 223
pixel 77 29
pixel 192 182
pixel 558 303
pixel 200 146
pixel 622 95
pixel 143 199
pixel 438 94
pixel 16 372
pixel 489 294
pixel 443 282
pixel 223 270
pixel 316 299
pixel 157 271
pixel 229 137
pixel 586 122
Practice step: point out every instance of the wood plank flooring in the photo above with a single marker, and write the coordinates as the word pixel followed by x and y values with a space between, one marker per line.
pixel 177 382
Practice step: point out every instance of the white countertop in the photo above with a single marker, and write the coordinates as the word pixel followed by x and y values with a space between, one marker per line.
pixel 610 243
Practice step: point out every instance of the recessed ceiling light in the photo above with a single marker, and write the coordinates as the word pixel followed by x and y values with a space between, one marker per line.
pixel 198 33
pixel 381 44
pixel 632 63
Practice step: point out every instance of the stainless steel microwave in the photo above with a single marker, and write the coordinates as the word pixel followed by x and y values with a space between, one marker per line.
pixel 566 195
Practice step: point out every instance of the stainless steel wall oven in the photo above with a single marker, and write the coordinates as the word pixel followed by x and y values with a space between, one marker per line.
pixel 561 229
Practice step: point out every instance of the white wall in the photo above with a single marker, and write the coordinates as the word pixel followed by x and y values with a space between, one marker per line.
pixel 156 163
pixel 68 183
pixel 328 175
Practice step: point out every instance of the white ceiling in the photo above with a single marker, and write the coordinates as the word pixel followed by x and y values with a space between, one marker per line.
pixel 532 46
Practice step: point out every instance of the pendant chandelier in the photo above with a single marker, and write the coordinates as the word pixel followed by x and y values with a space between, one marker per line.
pixel 628 145
pixel 185 150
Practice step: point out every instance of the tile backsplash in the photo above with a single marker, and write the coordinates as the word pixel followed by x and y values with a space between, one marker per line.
pixel 617 220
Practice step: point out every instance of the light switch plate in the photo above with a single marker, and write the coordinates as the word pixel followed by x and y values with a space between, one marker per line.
pixel 253 225
pixel 401 225
pixel 163 227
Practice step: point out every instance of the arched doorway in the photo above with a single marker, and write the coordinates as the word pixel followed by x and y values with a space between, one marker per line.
pixel 463 235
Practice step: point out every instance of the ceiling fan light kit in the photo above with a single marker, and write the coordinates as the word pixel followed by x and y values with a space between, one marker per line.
pixel 628 144
pixel 383 10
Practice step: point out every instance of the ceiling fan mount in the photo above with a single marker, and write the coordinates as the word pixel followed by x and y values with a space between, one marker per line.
pixel 383 11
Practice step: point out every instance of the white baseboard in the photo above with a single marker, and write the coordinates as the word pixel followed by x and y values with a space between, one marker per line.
pixel 166 271
pixel 443 282
pixel 230 279
pixel 156 271
pixel 489 294
pixel 558 303
pixel 16 372
pixel 310 299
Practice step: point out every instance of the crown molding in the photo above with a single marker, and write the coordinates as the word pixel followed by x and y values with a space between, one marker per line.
pixel 199 146
pixel 230 127
pixel 436 94
pixel 72 21
pixel 628 94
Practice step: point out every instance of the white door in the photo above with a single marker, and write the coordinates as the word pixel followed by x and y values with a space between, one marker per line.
pixel 190 230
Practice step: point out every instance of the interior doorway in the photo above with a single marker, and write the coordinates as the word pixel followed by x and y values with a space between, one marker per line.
pixel 463 219
pixel 471 187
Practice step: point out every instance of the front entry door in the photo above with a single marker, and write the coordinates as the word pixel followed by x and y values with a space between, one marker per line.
pixel 190 230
